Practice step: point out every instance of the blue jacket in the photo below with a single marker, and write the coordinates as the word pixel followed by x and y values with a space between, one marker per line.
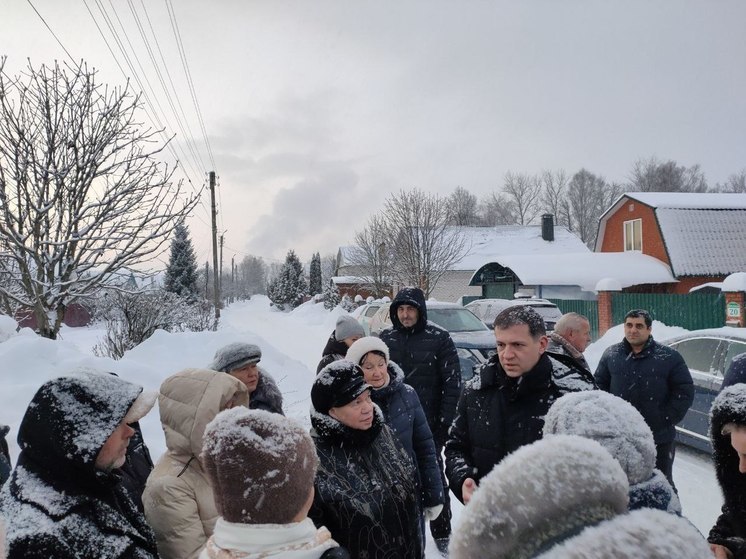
pixel 428 357
pixel 403 413
pixel 656 381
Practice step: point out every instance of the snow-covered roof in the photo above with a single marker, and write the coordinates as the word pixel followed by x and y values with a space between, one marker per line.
pixel 690 200
pixel 336 280
pixel 704 242
pixel 704 233
pixel 345 252
pixel 586 269
pixel 487 244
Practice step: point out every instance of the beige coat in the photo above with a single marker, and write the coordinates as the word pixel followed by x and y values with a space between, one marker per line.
pixel 178 500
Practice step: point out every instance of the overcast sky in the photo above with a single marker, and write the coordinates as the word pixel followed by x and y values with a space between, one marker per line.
pixel 316 111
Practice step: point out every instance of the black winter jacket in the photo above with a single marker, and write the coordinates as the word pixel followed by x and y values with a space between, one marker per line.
pixel 403 413
pixel 334 350
pixel 736 372
pixel 137 467
pixel 365 490
pixel 429 360
pixel 498 414
pixel 56 503
pixel 5 466
pixel 730 527
pixel 656 381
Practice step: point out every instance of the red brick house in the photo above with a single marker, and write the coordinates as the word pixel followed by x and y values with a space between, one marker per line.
pixel 701 237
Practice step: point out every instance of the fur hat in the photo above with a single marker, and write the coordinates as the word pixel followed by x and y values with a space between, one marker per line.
pixel 611 421
pixel 337 384
pixel 648 533
pixel 234 356
pixel 538 495
pixel 365 345
pixel 346 327
pixel 261 466
pixel 141 406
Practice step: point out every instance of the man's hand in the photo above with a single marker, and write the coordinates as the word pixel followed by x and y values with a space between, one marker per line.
pixel 720 551
pixel 467 489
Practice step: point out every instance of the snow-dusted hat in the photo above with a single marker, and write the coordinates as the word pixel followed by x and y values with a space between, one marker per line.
pixel 346 327
pixel 365 345
pixel 648 533
pixel 336 385
pixel 613 422
pixel 261 465
pixel 538 495
pixel 234 356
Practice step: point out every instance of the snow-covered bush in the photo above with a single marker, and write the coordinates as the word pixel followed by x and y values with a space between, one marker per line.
pixel 131 318
pixel 347 303
pixel 331 296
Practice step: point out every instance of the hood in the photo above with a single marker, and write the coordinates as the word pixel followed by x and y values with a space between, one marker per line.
pixel 189 400
pixel 334 347
pixel 409 296
pixel 729 407
pixel 70 418
pixel 611 421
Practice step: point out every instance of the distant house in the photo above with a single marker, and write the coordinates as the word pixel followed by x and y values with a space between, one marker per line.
pixel 701 238
pixel 349 278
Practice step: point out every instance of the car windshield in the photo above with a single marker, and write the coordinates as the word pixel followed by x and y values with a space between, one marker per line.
pixel 456 320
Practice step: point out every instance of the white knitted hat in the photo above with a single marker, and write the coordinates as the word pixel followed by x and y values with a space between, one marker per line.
pixel 365 345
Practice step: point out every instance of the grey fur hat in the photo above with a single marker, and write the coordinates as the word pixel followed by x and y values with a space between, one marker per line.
pixel 538 495
pixel 234 356
pixel 611 421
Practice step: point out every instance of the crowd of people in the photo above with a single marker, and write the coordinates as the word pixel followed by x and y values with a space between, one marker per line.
pixel 550 459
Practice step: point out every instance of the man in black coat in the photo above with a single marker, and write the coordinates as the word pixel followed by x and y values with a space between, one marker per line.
pixel 503 407
pixel 65 498
pixel 728 435
pixel 653 378
pixel 426 354
pixel 4 455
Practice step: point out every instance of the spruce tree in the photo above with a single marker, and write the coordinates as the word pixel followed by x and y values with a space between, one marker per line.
pixel 314 275
pixel 288 289
pixel 181 273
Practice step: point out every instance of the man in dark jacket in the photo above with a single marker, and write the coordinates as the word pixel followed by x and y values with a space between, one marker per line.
pixel 728 434
pixel 65 498
pixel 653 378
pixel 503 407
pixel 426 354
pixel 572 334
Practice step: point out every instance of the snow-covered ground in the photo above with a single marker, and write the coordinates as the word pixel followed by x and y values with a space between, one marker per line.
pixel 291 344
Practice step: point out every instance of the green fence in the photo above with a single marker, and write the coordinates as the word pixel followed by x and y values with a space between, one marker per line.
pixel 586 308
pixel 691 311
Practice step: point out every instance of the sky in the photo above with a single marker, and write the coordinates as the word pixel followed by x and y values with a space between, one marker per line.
pixel 317 111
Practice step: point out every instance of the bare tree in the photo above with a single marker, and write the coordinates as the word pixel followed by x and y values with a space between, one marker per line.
pixel 524 192
pixel 463 208
pixel 736 183
pixel 652 175
pixel 553 196
pixel 82 196
pixel 372 257
pixel 423 246
pixel 588 196
pixel 496 209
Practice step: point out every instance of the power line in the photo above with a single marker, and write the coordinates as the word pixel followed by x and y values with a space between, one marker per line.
pixel 53 33
pixel 190 82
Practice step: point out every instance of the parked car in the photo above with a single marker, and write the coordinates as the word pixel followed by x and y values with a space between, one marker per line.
pixel 364 313
pixel 474 342
pixel 708 354
pixel 488 309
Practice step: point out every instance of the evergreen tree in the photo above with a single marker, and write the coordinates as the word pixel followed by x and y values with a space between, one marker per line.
pixel 331 296
pixel 289 287
pixel 314 275
pixel 181 273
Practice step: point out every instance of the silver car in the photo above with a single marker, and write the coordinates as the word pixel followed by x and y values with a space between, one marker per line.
pixel 488 309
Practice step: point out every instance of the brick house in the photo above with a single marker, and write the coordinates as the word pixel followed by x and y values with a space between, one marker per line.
pixel 700 237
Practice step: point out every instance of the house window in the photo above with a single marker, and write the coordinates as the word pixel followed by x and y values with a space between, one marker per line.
pixel 633 235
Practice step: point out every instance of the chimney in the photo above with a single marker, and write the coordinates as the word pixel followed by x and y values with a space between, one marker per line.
pixel 547 227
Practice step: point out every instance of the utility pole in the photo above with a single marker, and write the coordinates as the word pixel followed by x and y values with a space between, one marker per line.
pixel 222 239
pixel 216 282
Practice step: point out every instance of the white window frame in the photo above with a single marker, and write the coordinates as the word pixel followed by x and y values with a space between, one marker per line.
pixel 630 225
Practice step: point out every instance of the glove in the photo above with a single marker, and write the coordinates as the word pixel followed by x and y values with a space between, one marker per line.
pixel 431 513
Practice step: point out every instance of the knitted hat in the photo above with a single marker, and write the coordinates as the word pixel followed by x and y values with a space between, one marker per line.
pixel 234 356
pixel 537 495
pixel 365 345
pixel 613 422
pixel 346 327
pixel 336 385
pixel 261 466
